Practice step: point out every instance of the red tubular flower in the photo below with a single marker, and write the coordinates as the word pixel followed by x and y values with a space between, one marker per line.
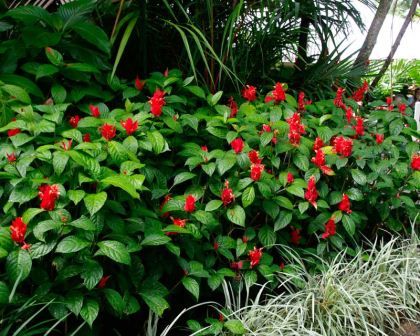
pixel 296 128
pixel 94 110
pixel 329 229
pixel 233 107
pixel 290 178
pixel 256 171
pixel 255 256
pixel 227 195
pixel 166 199
pixel 11 157
pixel 74 121
pixel 359 128
pixel 349 114
pixel 157 102
pixel 415 162
pixel 139 84
pixel 254 156
pixel 236 265
pixel 108 131
pixel 130 126
pixel 66 145
pixel 18 230
pixel 189 204
pixel 318 144
pixel 402 108
pixel 345 204
pixel 388 101
pixel 359 94
pixel 268 98
pixel 48 194
pixel 103 281
pixel 86 137
pixel 319 158
pixel 379 138
pixel 302 102
pixel 13 132
pixel 179 222
pixel 266 128
pixel 237 145
pixel 249 92
pixel 338 101
pixel 166 72
pixel 204 148
pixel 278 93
pixel 311 194
pixel 343 146
pixel 295 236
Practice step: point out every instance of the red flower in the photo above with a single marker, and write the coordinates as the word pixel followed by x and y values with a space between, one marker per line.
pixel 302 102
pixel 256 171
pixel 295 236
pixel 402 108
pixel 11 157
pixel 103 281
pixel 318 144
pixel 189 203
pixel 139 84
pixel 86 137
pixel 319 159
pixel 290 178
pixel 179 222
pixel 13 132
pixel 278 93
pixel 237 145
pixel 165 200
pixel 329 229
pixel 343 146
pixel 254 156
pixel 18 230
pixel 236 265
pixel 74 121
pixel 388 101
pixel 255 256
pixel 349 114
pixel 233 107
pixel 338 101
pixel 166 72
pixel 249 92
pixel 296 128
pixel 48 194
pixel 345 204
pixel 268 98
pixel 94 110
pixel 266 128
pixel 66 145
pixel 108 131
pixel 157 102
pixel 227 195
pixel 130 126
pixel 359 94
pixel 379 138
pixel 311 194
pixel 360 130
pixel 281 265
pixel 204 148
pixel 415 162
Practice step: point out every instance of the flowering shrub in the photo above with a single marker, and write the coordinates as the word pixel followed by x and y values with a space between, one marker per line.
pixel 122 208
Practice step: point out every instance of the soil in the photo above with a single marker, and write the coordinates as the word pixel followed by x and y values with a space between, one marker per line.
pixel 408 329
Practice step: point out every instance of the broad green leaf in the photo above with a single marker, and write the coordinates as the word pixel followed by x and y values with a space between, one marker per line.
pixel 349 224
pixel 283 219
pixel 267 236
pixel 115 300
pixel 60 160
pixel 71 244
pixel 18 265
pixel 94 202
pixel 123 182
pixel 235 327
pixel 192 286
pixel 157 141
pixel 4 293
pixel 213 205
pixel 75 195
pixel 358 176
pixel 90 311
pixel 196 91
pixel 301 162
pixel 17 93
pixel 155 240
pixel 54 56
pixel 284 202
pixel 182 177
pixel 31 213
pixel 236 215
pixel 248 196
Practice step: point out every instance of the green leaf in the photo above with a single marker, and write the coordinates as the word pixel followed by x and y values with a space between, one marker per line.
pixel 196 90
pixel 284 202
pixel 18 265
pixel 123 182
pixel 248 196
pixel 396 126
pixel 94 35
pixel 83 223
pixel 236 327
pixel 265 138
pixel 74 302
pixel 4 293
pixel 115 300
pixel 301 162
pixel 89 311
pixel 58 93
pixel 303 206
pixel 39 250
pixel 71 244
pixel 45 70
pixel 115 251
pixel 283 219
pixel 296 190
pixel 349 225
pixel 213 205
pixel 17 93
pixel 267 236
pixel 155 240
pixel 226 163
pixel 153 292
pixel 59 162
pixel 192 286
pixel 94 202
pixel 91 274
pixel 182 177
pixel 85 161
pixel 30 213
pixel 236 215
pixel 54 56
pixel 157 141
pixel 358 176
pixel 215 98
pixel 45 226
pixel 75 195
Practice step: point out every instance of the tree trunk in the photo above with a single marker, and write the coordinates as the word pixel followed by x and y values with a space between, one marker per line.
pixel 372 35
pixel 302 56
pixel 394 48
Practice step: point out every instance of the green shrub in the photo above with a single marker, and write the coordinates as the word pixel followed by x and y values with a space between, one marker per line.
pixel 161 195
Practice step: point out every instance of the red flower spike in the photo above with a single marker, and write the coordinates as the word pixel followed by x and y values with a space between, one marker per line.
pixel 327 170
pixel 389 101
pixel 319 158
pixel 11 157
pixel 129 125
pixel 139 84
pixel 296 128
pixel 415 162
pixel 166 72
pixel 86 137
pixel 74 121
pixel 278 94
pixel 281 265
pixel 26 246
pixel 311 194
pixel 216 246
pixel 290 178
pixel 227 195
pixel 13 132
pixel 48 194
pixel 157 102
pixel 379 138
pixel 402 108
pixel 237 145
pixel 103 281
pixel 266 128
pixel 94 110
pixel 359 94
pixel 165 200
pixel 359 128
pixel 302 102
pixel 255 256
pixel 66 145
pixel 253 156
pixel 256 171
pixel 343 146
pixel 204 148
pixel 108 131
pixel 349 114
pixel 249 92
pixel 338 101
pixel 233 107
pixel 268 98
pixel 345 204
pixel 329 229
pixel 295 236
pixel 189 204
pixel 236 265
pixel 318 144
pixel 179 222
pixel 18 230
